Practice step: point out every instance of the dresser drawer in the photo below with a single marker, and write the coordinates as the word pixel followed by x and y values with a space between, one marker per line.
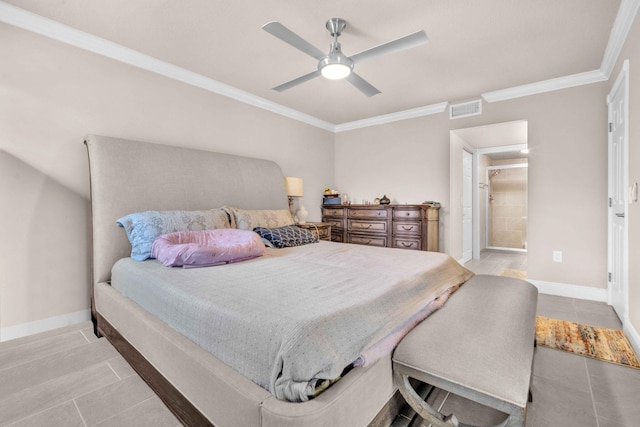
pixel 367 226
pixel 335 223
pixel 406 213
pixel 406 227
pixel 333 212
pixel 368 213
pixel 401 243
pixel 324 233
pixel 367 240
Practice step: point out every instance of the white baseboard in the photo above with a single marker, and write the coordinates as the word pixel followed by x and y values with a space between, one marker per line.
pixel 30 328
pixel 570 291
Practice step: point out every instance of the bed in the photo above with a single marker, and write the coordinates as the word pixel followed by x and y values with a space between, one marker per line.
pixel 199 383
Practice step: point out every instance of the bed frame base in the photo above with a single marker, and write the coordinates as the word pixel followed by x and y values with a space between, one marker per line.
pixel 180 406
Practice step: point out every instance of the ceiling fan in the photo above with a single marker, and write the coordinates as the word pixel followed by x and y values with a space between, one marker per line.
pixel 336 65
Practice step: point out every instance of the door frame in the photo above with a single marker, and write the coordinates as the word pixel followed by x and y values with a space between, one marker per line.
pixel 623 78
pixel 471 190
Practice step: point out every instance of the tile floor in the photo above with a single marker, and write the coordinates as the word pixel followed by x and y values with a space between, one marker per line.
pixel 568 390
pixel 68 377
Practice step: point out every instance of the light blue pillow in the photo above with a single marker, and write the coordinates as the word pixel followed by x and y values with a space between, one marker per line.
pixel 144 227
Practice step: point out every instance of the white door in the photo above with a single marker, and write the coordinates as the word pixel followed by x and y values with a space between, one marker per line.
pixel 618 192
pixel 467 206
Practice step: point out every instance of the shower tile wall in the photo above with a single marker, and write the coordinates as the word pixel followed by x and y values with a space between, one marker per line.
pixel 508 207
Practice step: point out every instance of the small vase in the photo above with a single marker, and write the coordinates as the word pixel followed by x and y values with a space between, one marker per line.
pixel 302 215
pixel 385 200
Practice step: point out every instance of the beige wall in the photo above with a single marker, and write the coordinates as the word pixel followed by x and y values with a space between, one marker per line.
pixel 51 95
pixel 631 51
pixel 409 161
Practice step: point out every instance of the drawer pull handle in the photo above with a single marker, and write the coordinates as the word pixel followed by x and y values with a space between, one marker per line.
pixel 408 214
pixel 369 242
pixel 405 228
pixel 406 245
pixel 367 227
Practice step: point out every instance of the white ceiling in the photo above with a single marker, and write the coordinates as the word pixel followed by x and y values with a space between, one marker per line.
pixel 474 46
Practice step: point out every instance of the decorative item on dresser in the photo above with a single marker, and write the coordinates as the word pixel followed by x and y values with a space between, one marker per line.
pixel 322 230
pixel 395 226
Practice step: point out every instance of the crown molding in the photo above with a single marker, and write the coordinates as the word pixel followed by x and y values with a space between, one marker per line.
pixel 619 32
pixel 550 85
pixel 47 27
pixel 29 21
pixel 393 117
pixel 621 27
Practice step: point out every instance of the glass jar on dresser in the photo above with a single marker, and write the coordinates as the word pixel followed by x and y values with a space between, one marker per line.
pixel 394 226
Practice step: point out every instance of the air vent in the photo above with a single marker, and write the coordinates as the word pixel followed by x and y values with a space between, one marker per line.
pixel 466 109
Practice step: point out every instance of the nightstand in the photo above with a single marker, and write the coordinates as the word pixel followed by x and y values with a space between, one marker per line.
pixel 321 229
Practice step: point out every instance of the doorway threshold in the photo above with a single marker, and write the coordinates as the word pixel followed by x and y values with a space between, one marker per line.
pixel 505 249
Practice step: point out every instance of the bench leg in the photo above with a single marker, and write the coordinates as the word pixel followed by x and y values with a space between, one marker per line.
pixel 437 419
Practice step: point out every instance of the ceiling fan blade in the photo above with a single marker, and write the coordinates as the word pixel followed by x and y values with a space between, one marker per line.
pixel 296 82
pixel 288 36
pixel 362 85
pixel 406 42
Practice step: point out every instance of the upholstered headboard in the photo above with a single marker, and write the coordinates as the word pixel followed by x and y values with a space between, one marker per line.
pixel 132 176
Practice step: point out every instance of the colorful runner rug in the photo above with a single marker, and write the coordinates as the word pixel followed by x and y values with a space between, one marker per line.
pixel 609 345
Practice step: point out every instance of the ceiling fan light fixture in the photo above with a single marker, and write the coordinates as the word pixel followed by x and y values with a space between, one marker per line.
pixel 335 71
pixel 336 65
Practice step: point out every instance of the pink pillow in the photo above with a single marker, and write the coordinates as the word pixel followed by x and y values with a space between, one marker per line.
pixel 206 247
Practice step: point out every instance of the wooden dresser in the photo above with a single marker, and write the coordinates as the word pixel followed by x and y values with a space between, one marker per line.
pixel 394 226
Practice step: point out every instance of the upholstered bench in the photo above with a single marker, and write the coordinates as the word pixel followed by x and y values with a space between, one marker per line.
pixel 479 345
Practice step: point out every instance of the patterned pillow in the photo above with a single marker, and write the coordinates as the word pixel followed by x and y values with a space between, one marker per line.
pixel 144 227
pixel 287 236
pixel 248 219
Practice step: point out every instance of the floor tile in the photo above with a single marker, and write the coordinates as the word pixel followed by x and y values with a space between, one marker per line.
pixel 616 391
pixel 58 364
pixel 121 367
pixel 65 415
pixel 55 392
pixel 19 354
pixel 553 302
pixel 557 405
pixel 558 314
pixel 597 313
pixel 606 422
pixel 89 335
pixel 150 413
pixel 560 367
pixel 35 337
pixel 102 403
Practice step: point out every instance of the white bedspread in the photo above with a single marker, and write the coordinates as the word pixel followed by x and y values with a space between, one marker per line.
pixel 294 315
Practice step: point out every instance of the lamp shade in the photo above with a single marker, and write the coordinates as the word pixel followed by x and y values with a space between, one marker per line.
pixel 293 186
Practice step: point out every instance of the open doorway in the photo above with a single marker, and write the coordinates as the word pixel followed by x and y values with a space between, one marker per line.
pixel 494 148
